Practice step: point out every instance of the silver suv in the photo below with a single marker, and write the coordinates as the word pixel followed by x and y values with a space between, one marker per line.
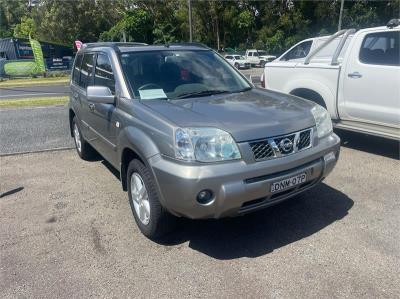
pixel 190 135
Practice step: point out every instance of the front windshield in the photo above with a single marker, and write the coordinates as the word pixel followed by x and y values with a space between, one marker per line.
pixel 238 57
pixel 172 74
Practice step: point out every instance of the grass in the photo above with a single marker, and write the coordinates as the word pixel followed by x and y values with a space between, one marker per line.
pixel 34 81
pixel 32 102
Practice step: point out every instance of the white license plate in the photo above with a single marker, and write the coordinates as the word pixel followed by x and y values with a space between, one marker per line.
pixel 288 183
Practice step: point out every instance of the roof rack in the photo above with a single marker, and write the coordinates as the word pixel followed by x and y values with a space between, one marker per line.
pixel 393 23
pixel 201 45
pixel 113 45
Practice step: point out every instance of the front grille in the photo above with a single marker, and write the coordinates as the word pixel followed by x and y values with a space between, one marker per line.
pixel 304 140
pixel 281 145
pixel 262 150
pixel 285 144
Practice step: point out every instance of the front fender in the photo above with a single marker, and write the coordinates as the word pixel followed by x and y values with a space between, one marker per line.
pixel 138 141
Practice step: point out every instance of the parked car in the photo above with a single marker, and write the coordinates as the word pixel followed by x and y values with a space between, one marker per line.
pixel 353 74
pixel 258 57
pixel 190 136
pixel 238 61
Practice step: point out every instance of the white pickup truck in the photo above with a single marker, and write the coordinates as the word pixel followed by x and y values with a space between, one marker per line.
pixel 355 75
pixel 258 57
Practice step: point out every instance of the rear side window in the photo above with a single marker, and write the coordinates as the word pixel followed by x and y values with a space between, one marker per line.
pixel 381 48
pixel 103 74
pixel 77 69
pixel 300 51
pixel 86 78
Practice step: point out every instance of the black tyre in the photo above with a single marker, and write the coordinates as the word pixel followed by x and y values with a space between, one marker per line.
pixel 262 64
pixel 237 65
pixel 151 217
pixel 84 149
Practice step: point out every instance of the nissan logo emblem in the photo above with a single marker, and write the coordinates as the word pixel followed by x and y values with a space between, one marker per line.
pixel 286 145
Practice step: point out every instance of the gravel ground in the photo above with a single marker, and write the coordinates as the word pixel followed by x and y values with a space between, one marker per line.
pixel 34 129
pixel 66 231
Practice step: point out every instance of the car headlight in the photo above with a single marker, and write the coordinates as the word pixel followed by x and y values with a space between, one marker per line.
pixel 322 121
pixel 205 145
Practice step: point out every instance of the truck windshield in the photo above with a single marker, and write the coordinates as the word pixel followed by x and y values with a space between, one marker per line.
pixel 174 74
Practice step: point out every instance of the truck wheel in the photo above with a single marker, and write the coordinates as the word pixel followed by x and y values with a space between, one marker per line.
pixel 237 65
pixel 84 149
pixel 262 64
pixel 151 217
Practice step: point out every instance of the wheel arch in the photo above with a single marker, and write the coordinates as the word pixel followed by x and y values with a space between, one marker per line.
pixel 71 115
pixel 310 95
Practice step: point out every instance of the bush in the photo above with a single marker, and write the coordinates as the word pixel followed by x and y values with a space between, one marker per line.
pixel 21 68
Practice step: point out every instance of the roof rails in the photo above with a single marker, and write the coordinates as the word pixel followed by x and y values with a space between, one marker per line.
pixel 113 45
pixel 190 44
pixel 393 23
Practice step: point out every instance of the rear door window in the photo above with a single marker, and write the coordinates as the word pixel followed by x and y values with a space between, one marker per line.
pixel 381 48
pixel 77 69
pixel 103 75
pixel 86 78
pixel 300 51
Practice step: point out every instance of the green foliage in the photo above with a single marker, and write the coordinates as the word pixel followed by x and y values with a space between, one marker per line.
pixel 26 28
pixel 20 68
pixel 137 25
pixel 271 25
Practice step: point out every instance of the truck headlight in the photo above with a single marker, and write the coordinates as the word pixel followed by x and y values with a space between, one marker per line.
pixel 322 121
pixel 205 145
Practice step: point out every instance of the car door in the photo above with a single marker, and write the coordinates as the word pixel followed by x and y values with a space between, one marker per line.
pixel 104 119
pixel 85 80
pixel 371 90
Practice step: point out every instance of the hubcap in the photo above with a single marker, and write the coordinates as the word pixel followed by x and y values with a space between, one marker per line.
pixel 140 198
pixel 77 137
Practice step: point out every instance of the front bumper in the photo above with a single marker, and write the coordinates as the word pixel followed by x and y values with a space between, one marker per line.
pixel 239 187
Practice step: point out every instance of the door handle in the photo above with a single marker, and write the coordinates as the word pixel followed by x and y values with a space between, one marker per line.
pixel 91 107
pixel 354 75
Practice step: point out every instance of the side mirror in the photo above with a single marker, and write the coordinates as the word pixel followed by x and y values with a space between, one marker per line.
pixel 100 94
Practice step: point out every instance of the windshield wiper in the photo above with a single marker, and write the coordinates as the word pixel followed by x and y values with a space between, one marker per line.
pixel 202 93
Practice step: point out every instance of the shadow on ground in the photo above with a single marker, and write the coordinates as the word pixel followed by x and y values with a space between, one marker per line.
pixel 370 144
pixel 260 233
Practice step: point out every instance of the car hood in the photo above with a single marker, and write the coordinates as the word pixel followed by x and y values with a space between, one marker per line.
pixel 246 116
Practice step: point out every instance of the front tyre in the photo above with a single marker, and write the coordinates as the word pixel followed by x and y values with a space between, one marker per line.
pixel 151 217
pixel 237 65
pixel 84 150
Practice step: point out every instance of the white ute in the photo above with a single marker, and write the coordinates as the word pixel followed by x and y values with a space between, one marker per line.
pixel 355 75
pixel 258 57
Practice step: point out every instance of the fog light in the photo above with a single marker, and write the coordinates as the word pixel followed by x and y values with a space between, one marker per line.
pixel 330 157
pixel 204 197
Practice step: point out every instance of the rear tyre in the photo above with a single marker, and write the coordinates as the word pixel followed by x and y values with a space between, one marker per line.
pixel 153 220
pixel 262 64
pixel 84 149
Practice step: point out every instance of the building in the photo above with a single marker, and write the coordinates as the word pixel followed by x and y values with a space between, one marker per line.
pixel 57 57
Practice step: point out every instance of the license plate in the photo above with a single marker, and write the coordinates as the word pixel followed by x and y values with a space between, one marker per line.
pixel 288 183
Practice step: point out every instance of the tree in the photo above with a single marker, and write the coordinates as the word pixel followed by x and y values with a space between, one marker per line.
pixel 11 13
pixel 136 25
pixel 26 29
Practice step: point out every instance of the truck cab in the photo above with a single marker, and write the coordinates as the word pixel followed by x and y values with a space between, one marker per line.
pixel 354 74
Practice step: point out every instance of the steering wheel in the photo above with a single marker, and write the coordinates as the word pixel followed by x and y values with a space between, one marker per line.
pixel 149 86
